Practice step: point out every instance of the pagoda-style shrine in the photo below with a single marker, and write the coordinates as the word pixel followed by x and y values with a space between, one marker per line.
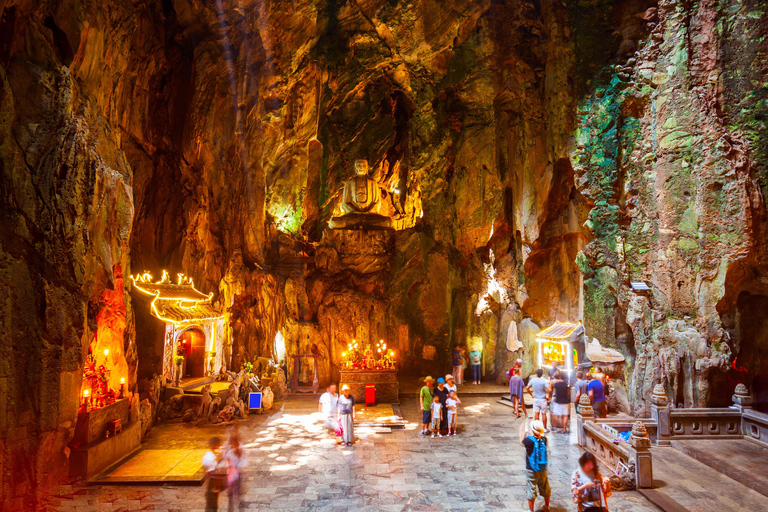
pixel 196 328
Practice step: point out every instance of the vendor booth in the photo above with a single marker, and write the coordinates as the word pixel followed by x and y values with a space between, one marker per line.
pixel 561 343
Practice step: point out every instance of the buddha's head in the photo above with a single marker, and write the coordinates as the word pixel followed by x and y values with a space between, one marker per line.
pixel 361 167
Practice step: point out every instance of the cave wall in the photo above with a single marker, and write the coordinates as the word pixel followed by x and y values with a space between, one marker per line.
pixel 540 156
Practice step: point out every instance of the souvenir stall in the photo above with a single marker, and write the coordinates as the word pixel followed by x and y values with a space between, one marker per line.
pixel 371 373
pixel 561 343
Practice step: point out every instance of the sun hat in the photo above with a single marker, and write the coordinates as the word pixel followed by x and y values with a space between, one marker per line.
pixel 428 378
pixel 345 386
pixel 448 377
pixel 538 426
pixel 441 380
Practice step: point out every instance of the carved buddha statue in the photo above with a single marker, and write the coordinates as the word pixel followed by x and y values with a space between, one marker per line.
pixel 362 203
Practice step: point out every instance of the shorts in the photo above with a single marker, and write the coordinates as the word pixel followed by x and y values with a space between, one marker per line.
pixel 560 409
pixel 425 417
pixel 540 405
pixel 599 409
pixel 436 424
pixel 537 480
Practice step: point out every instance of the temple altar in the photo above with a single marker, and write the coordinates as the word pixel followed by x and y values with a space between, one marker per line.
pixel 385 382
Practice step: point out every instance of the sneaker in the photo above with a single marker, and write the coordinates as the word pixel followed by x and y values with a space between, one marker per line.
pixel 423 433
pixel 439 435
pixel 433 436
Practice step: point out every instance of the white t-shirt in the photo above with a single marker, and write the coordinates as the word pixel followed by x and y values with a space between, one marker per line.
pixel 450 402
pixel 330 404
pixel 450 387
pixel 436 408
pixel 209 461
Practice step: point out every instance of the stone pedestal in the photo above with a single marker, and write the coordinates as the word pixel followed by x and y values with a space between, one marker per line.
pixel 90 460
pixel 387 385
pixel 660 414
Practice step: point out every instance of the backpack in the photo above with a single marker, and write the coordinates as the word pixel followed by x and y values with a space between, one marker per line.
pixel 538 457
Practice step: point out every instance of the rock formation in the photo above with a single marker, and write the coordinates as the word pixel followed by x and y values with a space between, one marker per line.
pixel 539 157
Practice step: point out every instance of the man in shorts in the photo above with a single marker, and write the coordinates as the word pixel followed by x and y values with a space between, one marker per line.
pixel 536 456
pixel 540 390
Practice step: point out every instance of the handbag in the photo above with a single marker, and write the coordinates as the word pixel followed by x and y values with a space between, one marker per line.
pixel 339 429
pixel 218 480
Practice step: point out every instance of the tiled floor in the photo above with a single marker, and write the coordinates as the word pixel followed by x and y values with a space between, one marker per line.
pixel 295 465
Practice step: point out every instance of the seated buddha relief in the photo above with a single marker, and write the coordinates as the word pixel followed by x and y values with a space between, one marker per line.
pixel 363 203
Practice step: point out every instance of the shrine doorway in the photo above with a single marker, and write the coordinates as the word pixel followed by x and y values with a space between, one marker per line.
pixel 193 339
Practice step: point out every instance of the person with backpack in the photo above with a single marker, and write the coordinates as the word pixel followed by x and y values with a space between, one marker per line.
pixel 535 463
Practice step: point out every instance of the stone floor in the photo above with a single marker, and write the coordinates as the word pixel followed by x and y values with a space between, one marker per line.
pixel 698 487
pixel 743 460
pixel 295 465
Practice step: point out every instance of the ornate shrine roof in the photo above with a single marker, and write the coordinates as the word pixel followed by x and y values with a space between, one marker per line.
pixel 562 331
pixel 177 303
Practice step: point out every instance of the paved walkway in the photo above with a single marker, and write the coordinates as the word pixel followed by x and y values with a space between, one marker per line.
pixel 295 465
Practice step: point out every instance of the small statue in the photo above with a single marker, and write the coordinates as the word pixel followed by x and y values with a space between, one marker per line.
pixel 214 409
pixel 267 398
pixel 362 203
pixel 205 405
pixel 226 414
pixel 368 359
pixel 282 384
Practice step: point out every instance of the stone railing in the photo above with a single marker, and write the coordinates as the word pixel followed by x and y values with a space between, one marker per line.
pixel 754 425
pixel 631 461
pixel 600 436
pixel 734 422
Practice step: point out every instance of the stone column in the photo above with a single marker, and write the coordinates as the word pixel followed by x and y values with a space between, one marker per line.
pixel 641 453
pixel 660 414
pixel 584 413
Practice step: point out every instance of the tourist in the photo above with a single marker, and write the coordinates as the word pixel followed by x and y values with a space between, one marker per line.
pixel 329 402
pixel 437 416
pixel 425 402
pixel 588 487
pixel 535 463
pixel 516 386
pixel 561 405
pixel 553 370
pixel 346 408
pixel 215 475
pixel 457 360
pixel 580 386
pixel 452 405
pixel 442 393
pixel 539 389
pixel 475 359
pixel 597 396
pixel 235 458
pixel 449 383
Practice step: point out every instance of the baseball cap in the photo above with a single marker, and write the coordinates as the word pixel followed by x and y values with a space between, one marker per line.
pixel 441 380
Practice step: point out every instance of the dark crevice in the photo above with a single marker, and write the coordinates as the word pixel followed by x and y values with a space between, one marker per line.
pixel 60 41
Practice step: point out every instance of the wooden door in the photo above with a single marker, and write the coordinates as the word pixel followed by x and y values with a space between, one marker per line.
pixel 195 341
